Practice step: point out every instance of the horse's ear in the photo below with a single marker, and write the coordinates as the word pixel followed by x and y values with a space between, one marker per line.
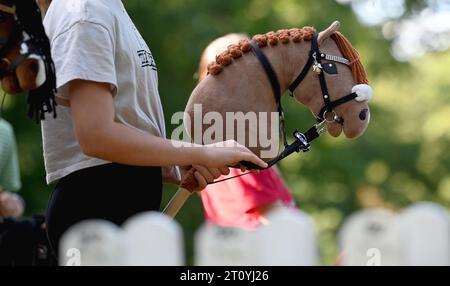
pixel 328 32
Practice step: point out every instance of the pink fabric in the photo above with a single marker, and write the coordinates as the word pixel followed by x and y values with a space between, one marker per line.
pixel 233 202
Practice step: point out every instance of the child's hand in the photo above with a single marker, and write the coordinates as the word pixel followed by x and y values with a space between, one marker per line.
pixel 229 153
pixel 202 176
pixel 11 205
pixel 206 176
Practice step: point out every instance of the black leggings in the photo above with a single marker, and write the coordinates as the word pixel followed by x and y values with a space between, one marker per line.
pixel 110 192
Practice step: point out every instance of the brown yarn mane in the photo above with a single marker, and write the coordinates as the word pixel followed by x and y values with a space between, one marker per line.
pixel 349 52
pixel 295 35
pixel 270 39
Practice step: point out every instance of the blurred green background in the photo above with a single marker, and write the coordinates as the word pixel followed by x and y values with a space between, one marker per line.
pixel 404 156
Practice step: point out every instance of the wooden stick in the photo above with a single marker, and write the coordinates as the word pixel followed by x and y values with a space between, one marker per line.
pixel 177 202
pixel 182 195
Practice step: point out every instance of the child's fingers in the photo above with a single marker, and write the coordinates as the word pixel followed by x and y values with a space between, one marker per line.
pixel 205 172
pixel 225 171
pixel 202 184
pixel 252 158
pixel 215 172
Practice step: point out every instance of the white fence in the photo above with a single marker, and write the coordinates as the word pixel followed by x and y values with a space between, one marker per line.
pixel 419 235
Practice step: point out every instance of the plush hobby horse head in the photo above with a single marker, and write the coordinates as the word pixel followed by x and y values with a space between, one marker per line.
pixel 236 82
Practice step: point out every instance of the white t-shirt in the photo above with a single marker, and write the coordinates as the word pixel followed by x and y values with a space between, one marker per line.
pixel 96 40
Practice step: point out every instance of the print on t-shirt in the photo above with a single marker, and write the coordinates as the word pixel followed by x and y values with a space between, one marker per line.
pixel 147 59
pixel 143 53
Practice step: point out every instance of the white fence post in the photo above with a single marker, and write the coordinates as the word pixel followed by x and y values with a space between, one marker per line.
pixel 93 243
pixel 288 240
pixel 425 235
pixel 224 246
pixel 370 238
pixel 154 239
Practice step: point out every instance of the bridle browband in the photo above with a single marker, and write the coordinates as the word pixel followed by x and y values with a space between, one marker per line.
pixel 303 141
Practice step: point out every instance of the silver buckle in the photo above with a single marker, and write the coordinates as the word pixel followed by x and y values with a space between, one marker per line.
pixel 321 127
pixel 334 119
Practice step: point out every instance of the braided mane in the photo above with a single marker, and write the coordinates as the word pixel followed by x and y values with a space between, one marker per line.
pixel 285 36
pixel 270 39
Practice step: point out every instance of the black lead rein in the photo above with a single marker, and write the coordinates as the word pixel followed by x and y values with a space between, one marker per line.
pixel 301 144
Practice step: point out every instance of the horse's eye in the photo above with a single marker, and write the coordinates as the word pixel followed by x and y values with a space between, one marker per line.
pixel 330 68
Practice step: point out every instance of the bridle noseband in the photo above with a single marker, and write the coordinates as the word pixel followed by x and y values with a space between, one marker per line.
pixel 326 114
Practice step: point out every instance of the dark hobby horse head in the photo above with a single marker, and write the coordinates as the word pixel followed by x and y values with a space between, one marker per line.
pixel 25 59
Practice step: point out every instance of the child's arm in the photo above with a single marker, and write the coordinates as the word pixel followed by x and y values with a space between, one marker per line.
pixel 101 137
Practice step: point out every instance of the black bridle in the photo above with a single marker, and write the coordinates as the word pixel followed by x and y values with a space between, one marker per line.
pixel 29 33
pixel 9 43
pixel 315 61
pixel 326 114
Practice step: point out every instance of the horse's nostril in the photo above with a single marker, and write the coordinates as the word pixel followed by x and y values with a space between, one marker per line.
pixel 363 114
